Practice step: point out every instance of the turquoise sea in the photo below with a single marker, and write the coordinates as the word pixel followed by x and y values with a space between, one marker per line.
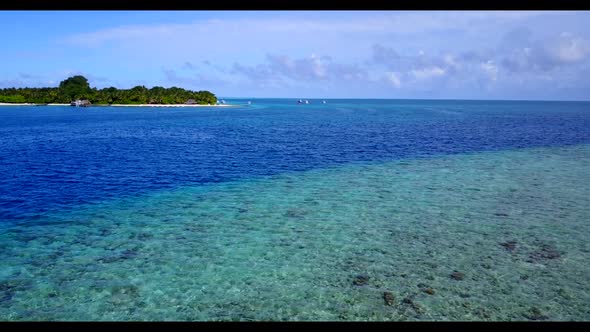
pixel 353 210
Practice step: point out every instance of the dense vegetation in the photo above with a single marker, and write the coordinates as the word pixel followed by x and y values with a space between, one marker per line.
pixel 77 87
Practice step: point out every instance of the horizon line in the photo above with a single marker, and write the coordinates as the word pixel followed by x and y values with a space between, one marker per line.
pixel 447 99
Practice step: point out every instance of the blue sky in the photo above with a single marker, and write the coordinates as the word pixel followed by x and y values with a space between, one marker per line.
pixel 537 55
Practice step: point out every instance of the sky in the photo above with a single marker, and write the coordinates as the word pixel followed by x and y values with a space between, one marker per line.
pixel 511 55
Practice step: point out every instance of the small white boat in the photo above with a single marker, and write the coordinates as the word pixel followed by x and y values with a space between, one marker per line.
pixel 323 102
pixel 249 102
pixel 307 101
pixel 80 103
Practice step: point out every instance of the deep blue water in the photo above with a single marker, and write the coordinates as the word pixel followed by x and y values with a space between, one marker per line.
pixel 54 158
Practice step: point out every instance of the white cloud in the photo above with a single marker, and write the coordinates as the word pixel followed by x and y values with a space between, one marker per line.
pixel 427 73
pixel 196 81
pixel 393 78
pixel 521 55
pixel 244 27
pixel 571 48
pixel 406 50
pixel 450 60
pixel 308 69
pixel 285 27
pixel 317 67
pixel 490 69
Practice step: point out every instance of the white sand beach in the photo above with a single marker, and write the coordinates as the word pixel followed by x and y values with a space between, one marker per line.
pixel 125 105
pixel 170 105
pixel 18 104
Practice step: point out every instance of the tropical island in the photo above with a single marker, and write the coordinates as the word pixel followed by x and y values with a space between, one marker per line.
pixel 76 91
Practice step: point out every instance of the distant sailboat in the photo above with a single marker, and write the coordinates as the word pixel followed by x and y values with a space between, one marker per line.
pixel 307 101
pixel 323 102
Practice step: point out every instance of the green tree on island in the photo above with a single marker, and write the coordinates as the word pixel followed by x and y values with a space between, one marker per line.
pixel 77 87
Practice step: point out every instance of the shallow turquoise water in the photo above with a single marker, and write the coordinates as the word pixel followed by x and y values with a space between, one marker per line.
pixel 323 244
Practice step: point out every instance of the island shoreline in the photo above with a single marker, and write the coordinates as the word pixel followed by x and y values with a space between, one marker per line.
pixel 122 105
